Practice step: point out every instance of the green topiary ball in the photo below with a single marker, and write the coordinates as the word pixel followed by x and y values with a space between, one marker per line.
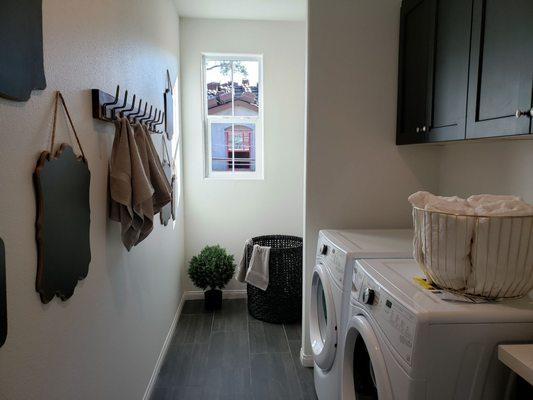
pixel 212 268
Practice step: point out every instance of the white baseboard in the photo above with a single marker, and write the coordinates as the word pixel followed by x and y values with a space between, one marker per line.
pixel 163 352
pixel 189 295
pixel 226 294
pixel 306 359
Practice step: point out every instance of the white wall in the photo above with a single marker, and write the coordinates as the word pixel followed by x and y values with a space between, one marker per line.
pixel 228 212
pixel 356 176
pixel 103 342
pixel 502 167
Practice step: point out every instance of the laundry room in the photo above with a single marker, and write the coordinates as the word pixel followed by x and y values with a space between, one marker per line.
pixel 262 200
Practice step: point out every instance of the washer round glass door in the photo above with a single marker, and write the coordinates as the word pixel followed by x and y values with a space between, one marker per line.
pixel 364 377
pixel 323 321
pixel 364 363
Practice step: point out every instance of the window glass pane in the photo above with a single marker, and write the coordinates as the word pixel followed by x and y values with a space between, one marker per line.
pixel 244 147
pixel 219 148
pixel 232 147
pixel 218 81
pixel 246 84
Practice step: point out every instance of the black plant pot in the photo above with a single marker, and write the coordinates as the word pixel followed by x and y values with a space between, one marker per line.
pixel 213 299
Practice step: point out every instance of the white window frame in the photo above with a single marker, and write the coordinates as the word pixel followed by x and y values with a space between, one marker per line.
pixel 258 174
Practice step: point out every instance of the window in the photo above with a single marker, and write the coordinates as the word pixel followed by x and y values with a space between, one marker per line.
pixel 233 112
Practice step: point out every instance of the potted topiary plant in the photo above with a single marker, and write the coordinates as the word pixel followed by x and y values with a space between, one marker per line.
pixel 212 268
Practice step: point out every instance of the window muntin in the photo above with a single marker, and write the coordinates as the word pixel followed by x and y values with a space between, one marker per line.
pixel 233 116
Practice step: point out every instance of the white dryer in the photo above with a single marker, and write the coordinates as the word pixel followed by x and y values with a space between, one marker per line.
pixel 336 250
pixel 404 342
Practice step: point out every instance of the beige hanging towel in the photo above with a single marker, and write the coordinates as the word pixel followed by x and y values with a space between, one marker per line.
pixel 119 181
pixel 129 186
pixel 162 190
pixel 147 207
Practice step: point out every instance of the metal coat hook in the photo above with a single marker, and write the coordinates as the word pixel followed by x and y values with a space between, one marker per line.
pixel 159 122
pixel 113 110
pixel 142 120
pixel 128 110
pixel 156 118
pixel 132 116
pixel 112 103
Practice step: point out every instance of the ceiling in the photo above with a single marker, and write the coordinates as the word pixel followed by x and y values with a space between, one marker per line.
pixel 278 10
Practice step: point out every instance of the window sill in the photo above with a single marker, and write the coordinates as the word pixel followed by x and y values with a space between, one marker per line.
pixel 235 177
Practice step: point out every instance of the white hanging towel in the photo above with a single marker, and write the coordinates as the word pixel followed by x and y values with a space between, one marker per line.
pixel 241 274
pixel 257 273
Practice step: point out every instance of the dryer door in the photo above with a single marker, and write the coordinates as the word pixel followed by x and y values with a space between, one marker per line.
pixel 364 374
pixel 322 319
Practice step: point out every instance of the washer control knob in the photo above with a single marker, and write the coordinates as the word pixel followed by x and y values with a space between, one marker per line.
pixel 368 296
pixel 324 249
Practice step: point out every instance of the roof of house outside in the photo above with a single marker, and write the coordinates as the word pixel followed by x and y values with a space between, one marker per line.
pixel 219 96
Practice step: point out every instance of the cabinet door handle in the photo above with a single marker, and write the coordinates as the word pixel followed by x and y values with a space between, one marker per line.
pixel 424 128
pixel 520 113
pixel 417 129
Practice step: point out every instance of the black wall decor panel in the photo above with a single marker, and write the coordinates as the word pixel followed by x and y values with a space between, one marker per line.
pixel 63 222
pixel 169 114
pixel 169 108
pixel 3 300
pixel 166 211
pixel 21 49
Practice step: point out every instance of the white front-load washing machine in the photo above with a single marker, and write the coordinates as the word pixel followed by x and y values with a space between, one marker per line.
pixel 336 250
pixel 404 342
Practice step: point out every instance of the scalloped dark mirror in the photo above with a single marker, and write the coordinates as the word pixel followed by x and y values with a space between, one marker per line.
pixel 63 222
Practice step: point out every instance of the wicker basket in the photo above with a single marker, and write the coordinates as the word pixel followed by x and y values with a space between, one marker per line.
pixel 281 302
pixel 489 257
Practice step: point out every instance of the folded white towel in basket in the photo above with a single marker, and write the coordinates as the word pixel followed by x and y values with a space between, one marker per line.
pixel 481 205
pixel 257 273
pixel 488 205
pixel 450 205
pixel 463 245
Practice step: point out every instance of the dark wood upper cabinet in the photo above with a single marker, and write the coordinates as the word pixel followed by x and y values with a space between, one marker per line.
pixel 413 77
pixel 501 68
pixel 466 68
pixel 450 53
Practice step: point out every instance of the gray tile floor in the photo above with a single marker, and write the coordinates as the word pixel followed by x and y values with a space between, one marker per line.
pixel 229 355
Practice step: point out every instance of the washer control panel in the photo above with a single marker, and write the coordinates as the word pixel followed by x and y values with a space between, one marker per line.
pixel 397 323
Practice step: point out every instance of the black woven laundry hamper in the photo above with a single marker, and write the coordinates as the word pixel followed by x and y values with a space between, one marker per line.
pixel 282 301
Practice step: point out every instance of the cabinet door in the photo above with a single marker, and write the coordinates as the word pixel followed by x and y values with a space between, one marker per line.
pixel 501 68
pixel 415 28
pixel 449 57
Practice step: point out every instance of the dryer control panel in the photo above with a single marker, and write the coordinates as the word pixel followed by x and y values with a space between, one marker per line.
pixel 397 323
pixel 333 258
